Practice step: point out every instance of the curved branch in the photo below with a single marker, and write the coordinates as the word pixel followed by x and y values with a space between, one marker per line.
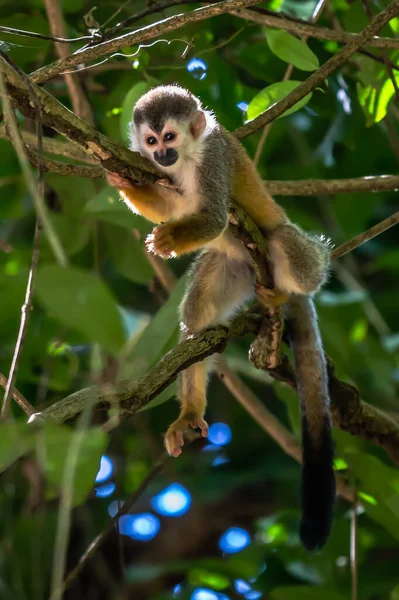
pixel 131 396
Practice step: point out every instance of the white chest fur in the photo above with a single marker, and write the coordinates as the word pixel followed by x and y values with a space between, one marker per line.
pixel 186 180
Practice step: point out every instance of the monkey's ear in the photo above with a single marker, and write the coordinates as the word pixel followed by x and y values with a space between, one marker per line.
pixel 198 124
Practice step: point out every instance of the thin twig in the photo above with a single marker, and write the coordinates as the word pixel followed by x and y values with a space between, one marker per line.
pixel 126 507
pixel 353 546
pixel 53 146
pixel 40 36
pixel 15 135
pixel 18 397
pixel 54 166
pixel 115 14
pixel 360 239
pixel 77 94
pixel 317 77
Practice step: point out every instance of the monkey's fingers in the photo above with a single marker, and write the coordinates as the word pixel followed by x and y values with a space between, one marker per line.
pixel 161 242
pixel 116 180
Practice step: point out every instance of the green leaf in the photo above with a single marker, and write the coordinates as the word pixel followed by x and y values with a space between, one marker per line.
pixel 107 206
pixel 72 233
pixel 128 254
pixel 127 109
pixel 54 444
pixel 149 347
pixel 272 94
pixel 375 100
pixel 15 440
pixel 291 50
pixel 300 592
pixel 82 301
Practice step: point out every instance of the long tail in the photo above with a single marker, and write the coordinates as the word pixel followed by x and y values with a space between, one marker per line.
pixel 318 482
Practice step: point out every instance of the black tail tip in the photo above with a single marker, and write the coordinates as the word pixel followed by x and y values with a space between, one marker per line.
pixel 318 488
pixel 314 535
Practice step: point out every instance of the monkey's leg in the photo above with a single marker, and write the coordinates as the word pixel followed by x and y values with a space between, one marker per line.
pixel 217 287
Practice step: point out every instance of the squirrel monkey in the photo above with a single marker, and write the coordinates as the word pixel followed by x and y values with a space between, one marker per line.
pixel 208 165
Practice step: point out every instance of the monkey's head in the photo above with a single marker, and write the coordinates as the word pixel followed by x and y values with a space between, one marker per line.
pixel 168 126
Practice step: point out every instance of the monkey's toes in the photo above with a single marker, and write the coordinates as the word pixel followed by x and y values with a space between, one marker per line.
pixel 174 440
pixel 200 423
pixel 269 297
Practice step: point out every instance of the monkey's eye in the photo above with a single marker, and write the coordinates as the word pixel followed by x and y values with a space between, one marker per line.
pixel 169 137
pixel 151 140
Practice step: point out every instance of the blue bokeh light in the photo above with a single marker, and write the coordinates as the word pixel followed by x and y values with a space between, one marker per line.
pixel 105 490
pixel 106 469
pixel 174 501
pixel 204 594
pixel 219 434
pixel 234 539
pixel 243 106
pixel 253 595
pixel 177 589
pixel 197 67
pixel 143 527
pixel 220 460
pixel 241 586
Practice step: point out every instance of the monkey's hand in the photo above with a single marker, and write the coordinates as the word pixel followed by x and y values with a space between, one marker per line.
pixel 162 241
pixel 187 235
pixel 174 436
pixel 116 180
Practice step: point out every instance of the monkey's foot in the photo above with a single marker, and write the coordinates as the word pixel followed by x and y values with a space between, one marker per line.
pixel 116 180
pixel 161 241
pixel 268 297
pixel 174 436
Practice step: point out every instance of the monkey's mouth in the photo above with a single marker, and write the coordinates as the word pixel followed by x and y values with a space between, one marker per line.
pixel 168 158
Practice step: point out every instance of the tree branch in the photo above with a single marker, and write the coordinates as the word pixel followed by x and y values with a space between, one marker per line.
pixel 131 396
pixel 136 37
pixel 77 94
pixel 317 78
pixel 18 397
pixel 52 146
pixel 366 236
pixel 319 187
pixel 304 28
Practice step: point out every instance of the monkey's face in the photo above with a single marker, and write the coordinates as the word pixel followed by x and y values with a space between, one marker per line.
pixel 171 146
pixel 163 147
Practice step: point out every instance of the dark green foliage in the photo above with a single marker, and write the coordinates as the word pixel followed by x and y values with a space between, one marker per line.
pixel 107 318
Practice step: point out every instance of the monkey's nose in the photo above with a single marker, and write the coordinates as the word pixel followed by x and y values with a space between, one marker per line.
pixel 166 158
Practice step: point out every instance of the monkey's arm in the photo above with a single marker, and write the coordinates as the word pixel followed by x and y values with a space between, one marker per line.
pixel 212 176
pixel 188 234
pixel 145 200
